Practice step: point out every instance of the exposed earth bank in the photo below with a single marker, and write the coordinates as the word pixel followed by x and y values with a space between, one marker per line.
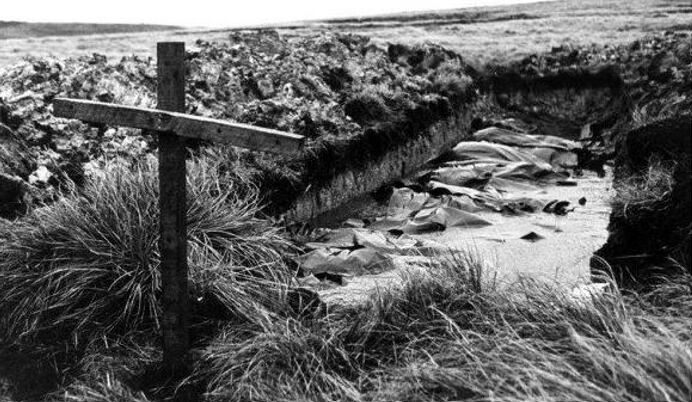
pixel 650 224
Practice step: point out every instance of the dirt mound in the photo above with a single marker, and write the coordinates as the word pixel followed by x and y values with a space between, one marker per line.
pixel 314 86
pixel 656 71
pixel 651 219
pixel 354 101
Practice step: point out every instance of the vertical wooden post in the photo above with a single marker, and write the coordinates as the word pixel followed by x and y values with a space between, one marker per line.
pixel 172 202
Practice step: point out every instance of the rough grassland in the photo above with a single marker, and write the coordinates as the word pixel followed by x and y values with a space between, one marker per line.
pixel 495 34
pixel 526 29
pixel 19 30
pixel 444 337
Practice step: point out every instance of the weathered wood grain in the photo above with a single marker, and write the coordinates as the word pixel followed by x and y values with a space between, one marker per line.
pixel 172 202
pixel 236 134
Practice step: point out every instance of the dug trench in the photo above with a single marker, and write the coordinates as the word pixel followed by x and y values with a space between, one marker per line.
pixel 524 187
pixel 82 278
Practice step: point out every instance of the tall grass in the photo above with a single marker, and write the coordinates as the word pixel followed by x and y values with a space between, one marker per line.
pixel 443 336
pixel 87 265
pixel 668 105
pixel 105 389
pixel 541 345
pixel 648 188
pixel 109 371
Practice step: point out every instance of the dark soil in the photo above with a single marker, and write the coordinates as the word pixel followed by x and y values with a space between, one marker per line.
pixel 351 99
pixel 651 239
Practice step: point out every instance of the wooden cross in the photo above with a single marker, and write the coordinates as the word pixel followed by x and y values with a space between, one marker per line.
pixel 170 124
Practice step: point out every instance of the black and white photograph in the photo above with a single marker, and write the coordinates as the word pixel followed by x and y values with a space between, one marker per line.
pixel 357 201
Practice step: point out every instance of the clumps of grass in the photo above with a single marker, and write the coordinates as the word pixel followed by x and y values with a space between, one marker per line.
pixel 332 357
pixel 456 87
pixel 393 321
pixel 673 296
pixel 104 389
pixel 87 266
pixel 445 336
pixel 669 105
pixel 648 188
pixel 537 342
pixel 451 81
pixel 284 360
pixel 381 104
pixel 639 365
pixel 367 106
pixel 112 370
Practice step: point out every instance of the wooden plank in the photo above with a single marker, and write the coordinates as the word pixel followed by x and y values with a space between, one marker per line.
pixel 236 134
pixel 172 202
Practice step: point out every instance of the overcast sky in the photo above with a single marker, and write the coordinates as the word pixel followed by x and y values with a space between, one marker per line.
pixel 215 13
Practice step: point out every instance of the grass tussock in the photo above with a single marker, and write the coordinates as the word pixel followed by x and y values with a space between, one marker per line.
pixel 443 336
pixel 109 371
pixel 288 360
pixel 106 389
pixel 450 80
pixel 87 265
pixel 671 106
pixel 368 105
pixel 649 188
pixel 547 347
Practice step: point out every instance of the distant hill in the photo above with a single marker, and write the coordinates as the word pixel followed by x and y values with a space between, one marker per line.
pixel 20 30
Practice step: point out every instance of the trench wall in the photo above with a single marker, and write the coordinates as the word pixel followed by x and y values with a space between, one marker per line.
pixel 329 202
pixel 557 104
pixel 650 239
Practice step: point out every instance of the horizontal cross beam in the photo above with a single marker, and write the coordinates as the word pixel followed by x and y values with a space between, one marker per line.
pixel 184 125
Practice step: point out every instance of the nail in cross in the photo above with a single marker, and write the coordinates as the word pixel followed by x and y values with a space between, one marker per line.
pixel 171 124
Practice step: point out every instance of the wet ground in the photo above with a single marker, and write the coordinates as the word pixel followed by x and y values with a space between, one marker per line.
pixel 561 256
pixel 540 245
pixel 565 245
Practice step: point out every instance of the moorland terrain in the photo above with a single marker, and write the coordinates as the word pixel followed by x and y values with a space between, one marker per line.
pixel 608 81
pixel 489 34
pixel 23 30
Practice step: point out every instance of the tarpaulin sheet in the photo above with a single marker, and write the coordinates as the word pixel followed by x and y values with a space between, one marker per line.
pixel 353 251
pixel 516 139
pixel 480 175
pixel 559 152
pixel 488 152
pixel 413 213
pixel 502 173
pixel 345 261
